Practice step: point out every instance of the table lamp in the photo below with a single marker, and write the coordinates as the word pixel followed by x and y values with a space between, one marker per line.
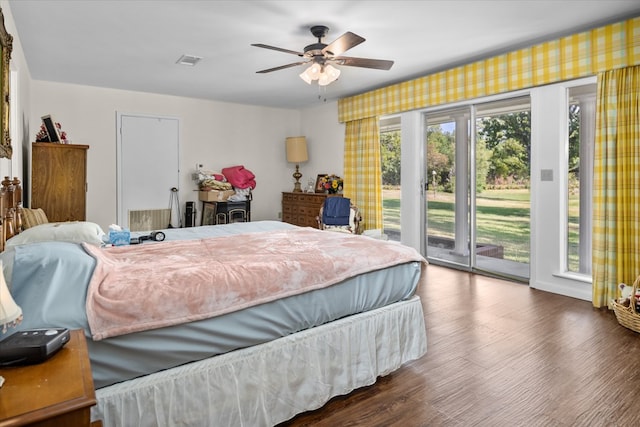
pixel 10 312
pixel 297 153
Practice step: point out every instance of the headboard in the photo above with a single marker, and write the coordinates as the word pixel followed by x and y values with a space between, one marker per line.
pixel 10 209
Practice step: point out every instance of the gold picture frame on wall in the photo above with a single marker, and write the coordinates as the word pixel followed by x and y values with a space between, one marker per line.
pixel 6 46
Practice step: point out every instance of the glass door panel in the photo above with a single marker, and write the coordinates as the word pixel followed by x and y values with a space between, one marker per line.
pixel 447 195
pixel 502 166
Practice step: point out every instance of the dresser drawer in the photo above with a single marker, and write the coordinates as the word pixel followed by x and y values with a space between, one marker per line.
pixel 306 210
pixel 290 218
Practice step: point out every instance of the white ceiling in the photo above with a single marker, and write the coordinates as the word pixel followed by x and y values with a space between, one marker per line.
pixel 134 45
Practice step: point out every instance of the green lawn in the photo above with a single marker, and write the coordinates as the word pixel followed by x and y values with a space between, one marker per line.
pixel 502 218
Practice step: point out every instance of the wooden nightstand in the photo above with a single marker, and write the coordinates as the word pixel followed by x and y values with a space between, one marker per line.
pixel 58 392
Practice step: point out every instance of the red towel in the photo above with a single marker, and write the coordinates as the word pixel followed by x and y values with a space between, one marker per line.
pixel 240 177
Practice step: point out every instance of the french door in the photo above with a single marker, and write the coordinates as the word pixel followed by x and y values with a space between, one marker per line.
pixel 477 190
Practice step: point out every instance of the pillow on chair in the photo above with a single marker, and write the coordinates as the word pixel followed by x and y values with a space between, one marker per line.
pixel 33 217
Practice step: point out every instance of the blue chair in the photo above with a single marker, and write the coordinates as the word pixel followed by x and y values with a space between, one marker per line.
pixel 339 214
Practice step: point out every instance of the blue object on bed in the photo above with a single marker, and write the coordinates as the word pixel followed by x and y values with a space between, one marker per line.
pixel 336 211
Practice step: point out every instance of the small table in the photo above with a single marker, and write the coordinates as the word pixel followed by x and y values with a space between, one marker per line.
pixel 57 392
pixel 214 213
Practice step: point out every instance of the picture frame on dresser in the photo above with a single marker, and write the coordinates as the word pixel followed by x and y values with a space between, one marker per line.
pixel 319 188
pixel 50 127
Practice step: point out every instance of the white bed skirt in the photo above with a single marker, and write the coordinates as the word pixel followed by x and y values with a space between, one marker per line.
pixel 270 383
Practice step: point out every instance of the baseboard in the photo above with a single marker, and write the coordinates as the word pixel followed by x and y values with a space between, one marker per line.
pixel 577 290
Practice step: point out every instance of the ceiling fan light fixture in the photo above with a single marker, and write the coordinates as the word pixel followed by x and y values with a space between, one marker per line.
pixel 323 80
pixel 324 74
pixel 305 76
pixel 331 72
pixel 312 73
pixel 329 75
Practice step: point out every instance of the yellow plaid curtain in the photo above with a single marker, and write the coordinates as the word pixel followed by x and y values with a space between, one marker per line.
pixel 584 54
pixel 616 198
pixel 363 170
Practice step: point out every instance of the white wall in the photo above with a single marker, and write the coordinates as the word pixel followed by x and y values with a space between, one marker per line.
pixel 325 141
pixel 549 118
pixel 214 134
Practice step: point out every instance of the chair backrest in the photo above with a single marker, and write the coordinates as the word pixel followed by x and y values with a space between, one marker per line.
pixel 339 214
pixel 336 211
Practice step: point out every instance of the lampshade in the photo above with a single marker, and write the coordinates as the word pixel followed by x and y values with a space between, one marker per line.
pixel 297 153
pixel 324 74
pixel 10 312
pixel 297 149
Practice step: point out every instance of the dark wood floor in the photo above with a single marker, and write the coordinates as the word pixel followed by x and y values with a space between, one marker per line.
pixel 502 354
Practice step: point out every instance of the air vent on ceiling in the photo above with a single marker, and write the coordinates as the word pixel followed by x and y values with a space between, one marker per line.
pixel 190 60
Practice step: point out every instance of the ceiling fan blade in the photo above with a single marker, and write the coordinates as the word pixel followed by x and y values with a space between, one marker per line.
pixel 343 44
pixel 282 67
pixel 279 49
pixel 378 64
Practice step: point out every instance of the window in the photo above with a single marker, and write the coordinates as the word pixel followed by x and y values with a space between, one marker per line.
pixel 390 138
pixel 580 145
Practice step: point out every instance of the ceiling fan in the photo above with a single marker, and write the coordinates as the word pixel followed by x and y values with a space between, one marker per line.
pixel 321 56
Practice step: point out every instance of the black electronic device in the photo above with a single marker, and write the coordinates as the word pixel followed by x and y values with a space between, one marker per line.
pixel 190 215
pixel 157 236
pixel 32 346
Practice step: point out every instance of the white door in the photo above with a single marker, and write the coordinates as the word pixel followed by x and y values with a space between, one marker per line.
pixel 148 164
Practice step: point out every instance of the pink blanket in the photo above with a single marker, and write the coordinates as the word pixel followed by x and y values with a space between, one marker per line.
pixel 149 286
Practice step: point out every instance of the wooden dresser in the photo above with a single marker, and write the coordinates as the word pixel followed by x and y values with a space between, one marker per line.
pixel 303 208
pixel 57 392
pixel 59 180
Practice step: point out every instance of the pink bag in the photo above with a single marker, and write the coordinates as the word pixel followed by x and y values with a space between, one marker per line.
pixel 240 177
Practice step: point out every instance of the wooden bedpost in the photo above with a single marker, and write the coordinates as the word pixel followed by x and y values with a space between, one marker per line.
pixel 17 198
pixel 4 203
pixel 10 209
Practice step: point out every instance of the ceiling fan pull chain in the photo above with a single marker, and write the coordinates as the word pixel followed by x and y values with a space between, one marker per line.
pixel 320 90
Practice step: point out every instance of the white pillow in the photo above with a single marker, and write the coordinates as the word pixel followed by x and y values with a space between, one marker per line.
pixel 73 231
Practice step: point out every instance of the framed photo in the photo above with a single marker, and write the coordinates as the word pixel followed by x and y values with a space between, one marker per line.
pixel 52 130
pixel 319 181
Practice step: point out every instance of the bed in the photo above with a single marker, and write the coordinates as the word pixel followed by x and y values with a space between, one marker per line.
pixel 256 366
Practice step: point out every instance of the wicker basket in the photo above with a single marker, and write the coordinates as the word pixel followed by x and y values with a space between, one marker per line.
pixel 627 316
